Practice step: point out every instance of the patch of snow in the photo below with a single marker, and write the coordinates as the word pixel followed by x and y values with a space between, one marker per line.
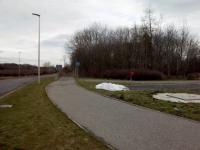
pixel 178 97
pixel 111 87
pixel 5 106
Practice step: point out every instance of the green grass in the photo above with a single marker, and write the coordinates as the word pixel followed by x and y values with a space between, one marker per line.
pixel 34 123
pixel 144 98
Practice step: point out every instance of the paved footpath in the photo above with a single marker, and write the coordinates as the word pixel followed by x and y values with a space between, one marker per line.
pixel 124 126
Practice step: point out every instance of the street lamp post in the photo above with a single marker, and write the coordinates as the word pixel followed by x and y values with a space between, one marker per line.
pixel 38 46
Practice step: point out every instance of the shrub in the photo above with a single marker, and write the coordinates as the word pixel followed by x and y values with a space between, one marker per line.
pixel 25 70
pixel 116 74
pixel 193 76
pixel 138 74
pixel 148 75
pixel 66 70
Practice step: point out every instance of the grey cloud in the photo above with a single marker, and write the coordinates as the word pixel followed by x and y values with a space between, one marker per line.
pixel 56 41
pixel 175 7
pixel 61 18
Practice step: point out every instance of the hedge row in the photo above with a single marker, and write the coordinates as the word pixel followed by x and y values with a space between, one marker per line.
pixel 193 76
pixel 26 72
pixel 126 74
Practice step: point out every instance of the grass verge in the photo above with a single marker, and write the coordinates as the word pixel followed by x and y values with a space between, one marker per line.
pixel 144 98
pixel 34 123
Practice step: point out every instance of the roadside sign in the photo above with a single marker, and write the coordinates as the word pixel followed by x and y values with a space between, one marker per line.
pixel 77 64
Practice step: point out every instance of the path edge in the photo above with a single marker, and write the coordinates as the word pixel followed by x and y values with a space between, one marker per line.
pixel 78 124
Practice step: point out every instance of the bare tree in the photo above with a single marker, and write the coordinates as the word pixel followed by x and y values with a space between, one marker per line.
pixel 148 46
pixel 47 64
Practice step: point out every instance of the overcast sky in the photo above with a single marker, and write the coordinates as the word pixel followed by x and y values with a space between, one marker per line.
pixel 61 18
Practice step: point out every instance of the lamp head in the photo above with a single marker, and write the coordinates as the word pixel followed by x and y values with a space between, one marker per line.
pixel 36 14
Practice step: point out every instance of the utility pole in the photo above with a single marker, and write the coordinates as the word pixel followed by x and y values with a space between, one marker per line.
pixel 19 71
pixel 38 46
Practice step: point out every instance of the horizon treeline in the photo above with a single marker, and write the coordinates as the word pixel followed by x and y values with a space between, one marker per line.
pixel 149 46
pixel 12 69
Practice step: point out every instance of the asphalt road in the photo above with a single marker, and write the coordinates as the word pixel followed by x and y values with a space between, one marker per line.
pixel 124 126
pixel 190 85
pixel 8 85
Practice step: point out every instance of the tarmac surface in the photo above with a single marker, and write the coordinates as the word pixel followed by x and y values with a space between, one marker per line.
pixel 124 126
pixel 10 84
pixel 166 86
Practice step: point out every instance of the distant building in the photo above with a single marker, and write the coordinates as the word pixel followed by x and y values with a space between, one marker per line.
pixel 58 68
